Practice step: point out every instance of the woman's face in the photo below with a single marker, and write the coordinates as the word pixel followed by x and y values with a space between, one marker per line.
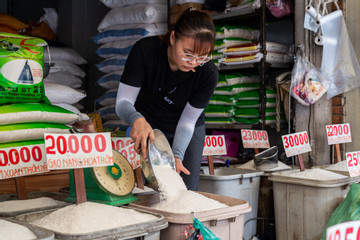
pixel 182 56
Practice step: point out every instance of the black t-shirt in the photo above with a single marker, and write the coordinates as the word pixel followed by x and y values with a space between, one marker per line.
pixel 147 67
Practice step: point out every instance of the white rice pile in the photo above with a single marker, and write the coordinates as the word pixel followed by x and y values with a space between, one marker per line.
pixel 317 174
pixel 90 217
pixel 176 198
pixel 13 231
pixel 21 205
pixel 340 166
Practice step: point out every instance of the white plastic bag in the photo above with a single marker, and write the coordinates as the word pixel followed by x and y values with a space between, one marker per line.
pixel 339 61
pixel 307 82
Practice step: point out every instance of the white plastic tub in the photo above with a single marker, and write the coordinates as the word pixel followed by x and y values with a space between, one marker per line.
pixel 40 233
pixel 226 223
pixel 149 230
pixel 303 206
pixel 236 183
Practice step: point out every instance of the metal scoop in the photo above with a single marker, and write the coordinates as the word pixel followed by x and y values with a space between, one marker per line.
pixel 159 153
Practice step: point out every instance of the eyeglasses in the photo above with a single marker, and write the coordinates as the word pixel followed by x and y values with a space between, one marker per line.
pixel 189 57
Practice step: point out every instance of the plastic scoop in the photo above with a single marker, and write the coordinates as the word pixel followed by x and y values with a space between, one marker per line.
pixel 158 153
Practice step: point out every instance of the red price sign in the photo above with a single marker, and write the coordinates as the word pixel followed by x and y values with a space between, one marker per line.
pixel 120 142
pixel 344 231
pixel 296 143
pixel 255 138
pixel 68 151
pixel 22 161
pixel 353 163
pixel 129 153
pixel 338 133
pixel 125 146
pixel 214 145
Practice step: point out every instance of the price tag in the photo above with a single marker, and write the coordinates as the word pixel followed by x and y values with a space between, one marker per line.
pixel 125 146
pixel 338 133
pixel 129 153
pixel 296 143
pixel 214 145
pixel 344 231
pixel 68 151
pixel 353 163
pixel 22 161
pixel 255 138
pixel 120 142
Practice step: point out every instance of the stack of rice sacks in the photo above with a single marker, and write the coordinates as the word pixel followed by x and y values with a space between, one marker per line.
pixel 64 83
pixel 25 112
pixel 236 44
pixel 236 98
pixel 125 23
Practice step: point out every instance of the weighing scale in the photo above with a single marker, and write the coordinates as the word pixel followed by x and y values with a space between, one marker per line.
pixel 110 185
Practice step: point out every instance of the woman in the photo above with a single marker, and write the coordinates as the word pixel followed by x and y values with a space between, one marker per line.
pixel 166 84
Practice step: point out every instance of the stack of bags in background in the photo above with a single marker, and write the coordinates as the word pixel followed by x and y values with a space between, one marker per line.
pixel 125 23
pixel 43 28
pixel 236 99
pixel 25 112
pixel 64 83
pixel 236 44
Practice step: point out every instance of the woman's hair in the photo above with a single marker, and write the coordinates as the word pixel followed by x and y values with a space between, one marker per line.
pixel 196 25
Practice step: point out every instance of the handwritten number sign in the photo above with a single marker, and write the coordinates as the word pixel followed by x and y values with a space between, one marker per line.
pixel 120 142
pixel 126 147
pixel 353 163
pixel 338 133
pixel 22 161
pixel 255 138
pixel 296 143
pixel 68 151
pixel 344 231
pixel 214 145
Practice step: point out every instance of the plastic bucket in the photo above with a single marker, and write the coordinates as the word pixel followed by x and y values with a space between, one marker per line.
pixel 267 159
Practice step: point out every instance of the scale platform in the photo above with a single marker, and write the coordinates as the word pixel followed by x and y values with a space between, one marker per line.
pixel 110 185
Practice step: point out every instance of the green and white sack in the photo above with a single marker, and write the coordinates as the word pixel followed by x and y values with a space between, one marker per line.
pixel 35 112
pixel 29 131
pixel 21 69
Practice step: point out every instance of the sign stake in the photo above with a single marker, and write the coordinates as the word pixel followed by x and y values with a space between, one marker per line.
pixel 21 188
pixel 79 185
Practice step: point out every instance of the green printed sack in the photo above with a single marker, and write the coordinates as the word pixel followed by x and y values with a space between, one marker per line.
pixel 21 69
pixel 219 120
pixel 221 100
pixel 35 112
pixel 21 143
pixel 30 131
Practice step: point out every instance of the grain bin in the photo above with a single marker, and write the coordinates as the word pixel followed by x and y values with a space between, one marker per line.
pixel 236 183
pixel 266 213
pixel 303 206
pixel 149 230
pixel 226 223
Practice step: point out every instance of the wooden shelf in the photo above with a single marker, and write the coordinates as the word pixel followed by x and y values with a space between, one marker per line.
pixel 243 11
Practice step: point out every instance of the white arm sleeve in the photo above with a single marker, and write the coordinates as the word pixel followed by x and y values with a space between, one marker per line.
pixel 125 100
pixel 184 130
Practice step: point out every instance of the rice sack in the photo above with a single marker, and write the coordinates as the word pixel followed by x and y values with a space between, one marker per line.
pixel 21 69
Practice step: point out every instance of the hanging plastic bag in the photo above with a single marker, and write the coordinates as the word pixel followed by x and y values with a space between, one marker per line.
pixel 339 61
pixel 307 81
pixel 205 232
pixel 279 8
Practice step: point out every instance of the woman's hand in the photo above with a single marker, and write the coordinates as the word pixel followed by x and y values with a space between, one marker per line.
pixel 140 131
pixel 180 167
